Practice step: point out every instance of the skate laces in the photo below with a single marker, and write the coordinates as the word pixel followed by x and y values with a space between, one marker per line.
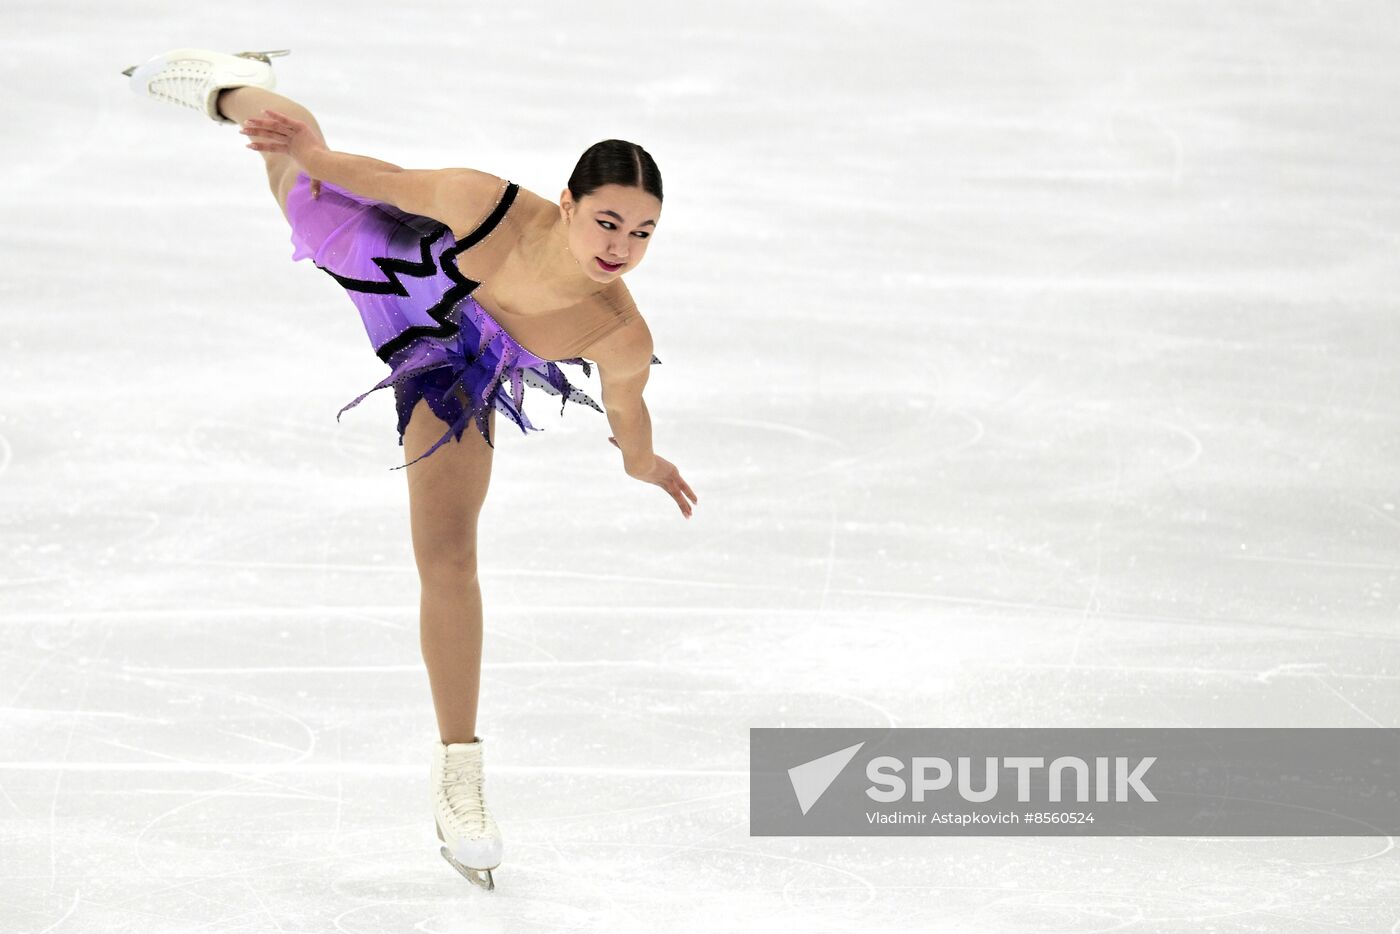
pixel 182 82
pixel 462 786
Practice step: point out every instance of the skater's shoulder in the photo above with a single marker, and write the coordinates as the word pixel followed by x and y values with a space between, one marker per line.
pixel 625 348
pixel 462 198
pixel 624 361
pixel 493 203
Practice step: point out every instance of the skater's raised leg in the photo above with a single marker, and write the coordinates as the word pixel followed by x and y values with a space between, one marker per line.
pixel 227 89
pixel 239 104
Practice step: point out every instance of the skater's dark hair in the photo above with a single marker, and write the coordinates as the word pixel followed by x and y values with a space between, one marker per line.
pixel 615 162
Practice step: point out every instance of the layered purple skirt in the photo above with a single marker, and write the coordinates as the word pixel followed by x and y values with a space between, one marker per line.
pixel 421 320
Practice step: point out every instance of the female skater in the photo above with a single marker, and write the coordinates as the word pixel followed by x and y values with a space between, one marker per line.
pixel 455 273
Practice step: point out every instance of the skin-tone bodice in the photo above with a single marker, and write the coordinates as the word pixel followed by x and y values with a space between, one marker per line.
pixel 554 316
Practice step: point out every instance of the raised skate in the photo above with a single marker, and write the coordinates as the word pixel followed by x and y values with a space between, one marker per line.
pixel 471 842
pixel 193 78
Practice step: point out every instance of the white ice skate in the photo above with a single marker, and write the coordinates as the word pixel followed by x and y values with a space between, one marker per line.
pixel 472 844
pixel 194 77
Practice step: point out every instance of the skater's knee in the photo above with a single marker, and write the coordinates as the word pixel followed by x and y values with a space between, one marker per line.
pixel 449 569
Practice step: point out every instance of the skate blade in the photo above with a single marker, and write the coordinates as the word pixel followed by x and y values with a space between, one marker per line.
pixel 474 876
pixel 265 57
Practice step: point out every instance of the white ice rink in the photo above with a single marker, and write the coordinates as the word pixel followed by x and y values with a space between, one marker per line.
pixel 1035 365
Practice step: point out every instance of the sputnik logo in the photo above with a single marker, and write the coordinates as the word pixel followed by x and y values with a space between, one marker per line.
pixel 810 780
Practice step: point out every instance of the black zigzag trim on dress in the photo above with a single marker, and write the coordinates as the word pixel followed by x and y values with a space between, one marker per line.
pixel 425 267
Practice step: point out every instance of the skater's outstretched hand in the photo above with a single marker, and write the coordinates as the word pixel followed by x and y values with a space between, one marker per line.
pixel 277 132
pixel 665 475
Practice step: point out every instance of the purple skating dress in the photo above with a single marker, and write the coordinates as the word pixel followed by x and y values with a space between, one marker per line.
pixel 405 274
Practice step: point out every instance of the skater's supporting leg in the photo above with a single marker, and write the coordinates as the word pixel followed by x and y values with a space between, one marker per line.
pixel 239 104
pixel 446 492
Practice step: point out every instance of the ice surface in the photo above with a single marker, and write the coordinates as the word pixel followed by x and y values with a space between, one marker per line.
pixel 1034 364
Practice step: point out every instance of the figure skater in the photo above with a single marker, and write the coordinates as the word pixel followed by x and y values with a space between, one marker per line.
pixel 455 272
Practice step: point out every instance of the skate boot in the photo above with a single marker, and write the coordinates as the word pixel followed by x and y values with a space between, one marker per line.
pixel 194 77
pixel 472 844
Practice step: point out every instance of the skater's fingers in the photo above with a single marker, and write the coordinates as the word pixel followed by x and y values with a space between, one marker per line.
pixel 283 118
pixel 252 127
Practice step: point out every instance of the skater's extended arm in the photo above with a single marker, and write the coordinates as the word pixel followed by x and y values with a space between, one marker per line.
pixel 366 177
pixel 634 428
pixel 274 131
pixel 456 197
pixel 624 364
pixel 631 430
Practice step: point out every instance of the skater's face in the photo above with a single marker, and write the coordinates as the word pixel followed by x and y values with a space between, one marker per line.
pixel 614 224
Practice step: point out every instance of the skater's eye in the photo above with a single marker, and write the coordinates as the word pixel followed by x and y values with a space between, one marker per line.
pixel 608 225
